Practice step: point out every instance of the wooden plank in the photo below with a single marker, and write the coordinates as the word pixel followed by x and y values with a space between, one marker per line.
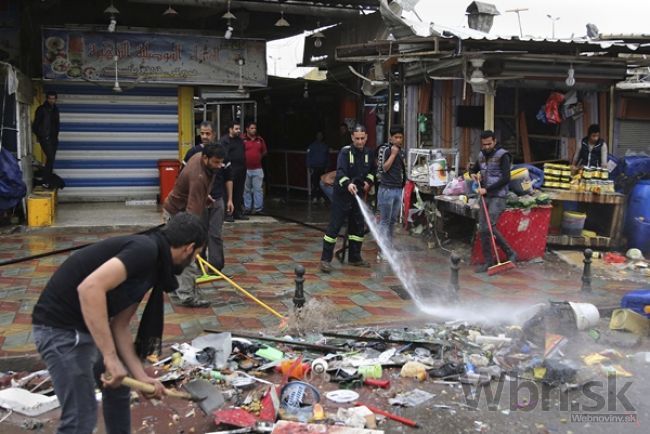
pixel 578 196
pixel 523 131
pixel 616 226
pixel 488 116
pixel 567 240
pixel 602 115
pixel 447 118
pixel 571 148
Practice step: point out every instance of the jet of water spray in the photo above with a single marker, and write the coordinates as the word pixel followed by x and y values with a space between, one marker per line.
pixel 433 299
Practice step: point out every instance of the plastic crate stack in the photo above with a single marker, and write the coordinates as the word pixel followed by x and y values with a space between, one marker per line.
pixel 557 176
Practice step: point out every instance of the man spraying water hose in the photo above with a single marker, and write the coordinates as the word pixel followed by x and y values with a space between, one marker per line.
pixel 355 169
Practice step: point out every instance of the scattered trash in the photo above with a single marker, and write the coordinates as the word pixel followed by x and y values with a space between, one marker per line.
pixel 414 370
pixel 341 396
pixel 31 424
pixel 357 417
pixel 289 427
pixel 412 398
pixel 627 319
pixel 27 403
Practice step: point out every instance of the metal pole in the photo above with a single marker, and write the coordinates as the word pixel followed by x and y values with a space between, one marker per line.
pixel 586 272
pixel 455 266
pixel 299 294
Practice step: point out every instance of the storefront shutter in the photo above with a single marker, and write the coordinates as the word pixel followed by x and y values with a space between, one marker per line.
pixel 110 142
pixel 634 136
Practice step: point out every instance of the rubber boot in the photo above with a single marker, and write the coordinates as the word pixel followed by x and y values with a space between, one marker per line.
pixel 486 248
pixel 354 255
pixel 512 256
pixel 326 257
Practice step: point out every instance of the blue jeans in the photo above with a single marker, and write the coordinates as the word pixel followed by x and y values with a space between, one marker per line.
pixel 253 194
pixel 75 364
pixel 389 202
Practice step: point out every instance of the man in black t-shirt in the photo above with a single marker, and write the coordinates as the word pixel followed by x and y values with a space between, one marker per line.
pixel 81 320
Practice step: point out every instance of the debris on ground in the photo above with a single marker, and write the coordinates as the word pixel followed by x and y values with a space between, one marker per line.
pixel 362 380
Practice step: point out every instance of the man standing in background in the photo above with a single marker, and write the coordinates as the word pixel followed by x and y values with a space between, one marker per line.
pixel 207 135
pixel 46 126
pixel 392 177
pixel 255 147
pixel 236 155
pixel 318 155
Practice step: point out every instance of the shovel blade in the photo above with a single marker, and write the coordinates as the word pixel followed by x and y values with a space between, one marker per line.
pixel 208 397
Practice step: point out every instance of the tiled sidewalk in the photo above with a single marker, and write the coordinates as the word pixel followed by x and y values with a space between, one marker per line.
pixel 262 256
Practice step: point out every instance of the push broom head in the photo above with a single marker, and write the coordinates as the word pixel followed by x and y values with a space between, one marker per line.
pixel 500 268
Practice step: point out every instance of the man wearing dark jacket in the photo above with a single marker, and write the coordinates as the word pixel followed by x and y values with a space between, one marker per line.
pixel 81 322
pixel 318 155
pixel 46 126
pixel 492 169
pixel 355 173
pixel 236 155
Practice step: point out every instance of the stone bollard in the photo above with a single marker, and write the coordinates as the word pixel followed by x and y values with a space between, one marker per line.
pixel 586 272
pixel 453 277
pixel 299 294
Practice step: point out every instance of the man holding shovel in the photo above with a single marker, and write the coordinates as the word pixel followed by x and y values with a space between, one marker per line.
pixel 81 320
pixel 492 171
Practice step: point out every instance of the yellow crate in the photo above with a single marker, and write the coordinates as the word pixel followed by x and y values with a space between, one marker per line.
pixel 40 191
pixel 40 210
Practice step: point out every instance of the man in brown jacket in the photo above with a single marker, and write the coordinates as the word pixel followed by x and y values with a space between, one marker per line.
pixel 191 193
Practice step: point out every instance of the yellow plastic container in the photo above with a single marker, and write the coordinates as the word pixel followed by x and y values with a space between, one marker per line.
pixel 40 191
pixel 626 319
pixel 40 210
pixel 520 182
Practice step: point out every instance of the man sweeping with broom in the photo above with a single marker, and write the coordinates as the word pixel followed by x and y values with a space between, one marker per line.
pixel 492 171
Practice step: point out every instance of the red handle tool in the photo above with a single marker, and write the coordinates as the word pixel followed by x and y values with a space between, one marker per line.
pixel 384 384
pixel 392 416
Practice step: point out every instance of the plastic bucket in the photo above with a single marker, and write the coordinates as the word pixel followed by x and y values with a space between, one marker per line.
pixel 573 223
pixel 586 314
pixel 626 319
pixel 520 182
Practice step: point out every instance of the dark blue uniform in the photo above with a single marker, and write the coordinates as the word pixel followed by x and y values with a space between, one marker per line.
pixel 353 166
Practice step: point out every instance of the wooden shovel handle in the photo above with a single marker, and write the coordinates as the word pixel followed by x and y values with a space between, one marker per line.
pixel 150 388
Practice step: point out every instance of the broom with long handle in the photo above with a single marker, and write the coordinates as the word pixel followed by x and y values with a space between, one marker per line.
pixel 500 266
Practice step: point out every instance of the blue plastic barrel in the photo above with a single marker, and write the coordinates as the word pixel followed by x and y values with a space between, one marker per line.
pixel 638 205
pixel 637 300
pixel 639 237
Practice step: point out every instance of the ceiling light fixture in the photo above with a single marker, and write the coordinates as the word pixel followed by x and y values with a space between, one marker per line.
pixel 570 80
pixel 282 22
pixel 170 11
pixel 318 36
pixel 111 11
pixel 228 16
pixel 241 62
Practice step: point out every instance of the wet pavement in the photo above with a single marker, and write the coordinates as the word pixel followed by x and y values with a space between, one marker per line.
pixel 262 254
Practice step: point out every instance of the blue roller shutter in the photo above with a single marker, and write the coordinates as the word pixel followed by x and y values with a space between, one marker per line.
pixel 110 143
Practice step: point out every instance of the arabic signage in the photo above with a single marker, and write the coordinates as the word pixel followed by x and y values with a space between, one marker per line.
pixel 79 55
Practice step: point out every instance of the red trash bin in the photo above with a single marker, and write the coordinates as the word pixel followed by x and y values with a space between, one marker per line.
pixel 168 172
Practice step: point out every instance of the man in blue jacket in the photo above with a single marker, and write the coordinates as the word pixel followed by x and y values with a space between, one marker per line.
pixel 493 170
